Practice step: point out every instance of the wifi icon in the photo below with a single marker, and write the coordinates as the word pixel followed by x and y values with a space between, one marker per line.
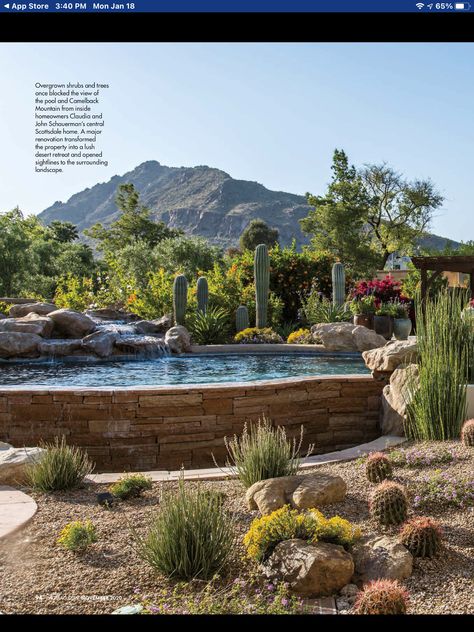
pixel 419 5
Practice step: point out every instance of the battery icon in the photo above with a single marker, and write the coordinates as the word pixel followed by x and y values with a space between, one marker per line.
pixel 462 6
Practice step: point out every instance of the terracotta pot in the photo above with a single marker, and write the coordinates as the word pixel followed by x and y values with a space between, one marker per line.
pixel 366 320
pixel 383 325
pixel 402 328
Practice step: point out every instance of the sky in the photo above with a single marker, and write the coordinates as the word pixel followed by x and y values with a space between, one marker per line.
pixel 272 113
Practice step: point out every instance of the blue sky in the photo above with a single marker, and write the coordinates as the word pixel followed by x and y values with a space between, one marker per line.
pixel 267 112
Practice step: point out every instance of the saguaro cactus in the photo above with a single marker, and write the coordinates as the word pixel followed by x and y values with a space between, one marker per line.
pixel 180 298
pixel 338 284
pixel 202 294
pixel 262 283
pixel 241 318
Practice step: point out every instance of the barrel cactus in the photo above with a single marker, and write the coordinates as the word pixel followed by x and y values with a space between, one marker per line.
pixel 202 291
pixel 262 284
pixel 382 596
pixel 241 318
pixel 467 433
pixel 421 536
pixel 338 284
pixel 378 467
pixel 389 503
pixel 180 298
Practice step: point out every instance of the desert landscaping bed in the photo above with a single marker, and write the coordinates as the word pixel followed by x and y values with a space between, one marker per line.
pixel 38 576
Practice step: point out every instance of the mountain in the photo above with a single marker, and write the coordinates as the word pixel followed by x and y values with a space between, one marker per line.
pixel 200 200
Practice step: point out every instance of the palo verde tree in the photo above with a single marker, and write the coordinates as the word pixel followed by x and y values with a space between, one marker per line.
pixel 258 232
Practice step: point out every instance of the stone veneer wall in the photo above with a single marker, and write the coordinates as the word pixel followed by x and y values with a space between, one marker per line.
pixel 169 427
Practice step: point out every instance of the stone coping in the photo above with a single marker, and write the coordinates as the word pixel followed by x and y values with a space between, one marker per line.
pixel 222 473
pixel 182 388
pixel 282 348
pixel 16 509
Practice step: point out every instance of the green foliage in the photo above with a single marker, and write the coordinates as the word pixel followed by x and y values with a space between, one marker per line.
pixel 77 536
pixel 65 232
pixel 131 486
pixel 74 293
pixel 4 308
pixel 262 284
pixel 155 299
pixel 445 345
pixel 258 232
pixel 190 537
pixel 364 305
pixel 389 503
pixel 422 537
pixel 60 467
pixel 209 328
pixel 256 336
pixel 382 596
pixel 187 255
pixel 411 284
pixel 378 467
pixel 287 524
pixel 263 452
pixel 322 310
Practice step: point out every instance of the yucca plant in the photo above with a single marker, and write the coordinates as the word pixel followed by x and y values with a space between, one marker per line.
pixel 263 452
pixel 60 467
pixel 191 536
pixel 438 400
pixel 210 327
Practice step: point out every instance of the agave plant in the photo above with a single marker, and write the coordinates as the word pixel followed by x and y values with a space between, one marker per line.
pixel 322 310
pixel 211 327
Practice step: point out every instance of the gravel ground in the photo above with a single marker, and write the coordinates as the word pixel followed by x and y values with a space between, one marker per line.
pixel 37 576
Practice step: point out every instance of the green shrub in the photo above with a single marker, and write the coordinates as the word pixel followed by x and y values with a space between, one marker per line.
pixel 211 327
pixel 263 452
pixel 322 310
pixel 256 336
pixel 191 536
pixel 131 486
pixel 4 308
pixel 61 467
pixel 76 536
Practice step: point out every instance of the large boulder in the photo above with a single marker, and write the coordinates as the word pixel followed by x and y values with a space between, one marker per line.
pixel 381 557
pixel 346 337
pixel 17 345
pixel 396 396
pixel 100 342
pixel 386 359
pixel 178 339
pixel 13 462
pixel 59 348
pixel 300 492
pixel 30 324
pixel 110 313
pixel 2 316
pixel 42 309
pixel 158 326
pixel 310 570
pixel 71 324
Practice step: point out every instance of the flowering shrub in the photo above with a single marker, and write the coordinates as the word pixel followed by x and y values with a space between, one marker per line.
pixel 422 457
pixel 286 523
pixel 76 536
pixel 384 291
pixel 300 337
pixel 253 335
pixel 444 489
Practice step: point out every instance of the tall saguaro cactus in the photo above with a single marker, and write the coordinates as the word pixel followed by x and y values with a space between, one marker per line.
pixel 202 290
pixel 338 284
pixel 241 318
pixel 180 298
pixel 262 283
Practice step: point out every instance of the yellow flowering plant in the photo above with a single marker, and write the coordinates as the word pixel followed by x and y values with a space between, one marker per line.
pixel 300 337
pixel 77 535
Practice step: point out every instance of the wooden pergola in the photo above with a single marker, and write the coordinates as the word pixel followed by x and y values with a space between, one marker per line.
pixel 438 265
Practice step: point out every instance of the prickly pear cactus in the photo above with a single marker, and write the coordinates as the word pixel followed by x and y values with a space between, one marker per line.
pixel 389 503
pixel 262 284
pixel 241 318
pixel 338 284
pixel 202 292
pixel 180 298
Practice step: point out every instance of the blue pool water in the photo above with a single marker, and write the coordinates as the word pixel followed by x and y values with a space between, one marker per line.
pixel 163 371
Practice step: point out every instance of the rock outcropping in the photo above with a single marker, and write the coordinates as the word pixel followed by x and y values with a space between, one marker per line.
pixel 346 337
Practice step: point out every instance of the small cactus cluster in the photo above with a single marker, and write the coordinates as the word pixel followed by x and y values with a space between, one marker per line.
pixel 467 433
pixel 389 503
pixel 383 596
pixel 421 536
pixel 378 467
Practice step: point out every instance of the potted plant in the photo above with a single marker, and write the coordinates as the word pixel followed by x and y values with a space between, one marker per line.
pixel 401 321
pixel 468 313
pixel 383 320
pixel 363 310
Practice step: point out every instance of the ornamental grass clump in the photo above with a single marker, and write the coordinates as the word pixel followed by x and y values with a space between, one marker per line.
pixel 77 536
pixel 422 537
pixel 378 467
pixel 210 327
pixel 131 486
pixel 383 596
pixel 263 452
pixel 286 524
pixel 388 503
pixel 438 396
pixel 191 536
pixel 60 467
pixel 467 433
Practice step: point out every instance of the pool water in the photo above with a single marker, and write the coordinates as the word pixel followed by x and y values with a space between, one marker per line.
pixel 169 370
